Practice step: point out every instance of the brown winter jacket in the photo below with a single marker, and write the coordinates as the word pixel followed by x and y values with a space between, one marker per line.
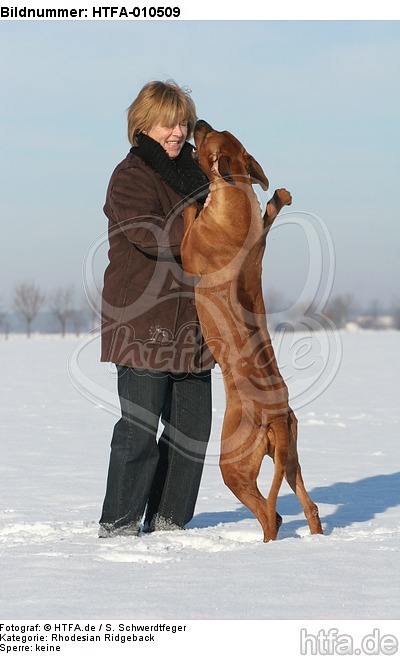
pixel 149 318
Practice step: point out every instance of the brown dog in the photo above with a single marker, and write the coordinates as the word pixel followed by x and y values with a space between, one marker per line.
pixel 224 246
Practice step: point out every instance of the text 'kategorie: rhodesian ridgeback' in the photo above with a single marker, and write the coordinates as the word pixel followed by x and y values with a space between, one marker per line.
pixel 223 246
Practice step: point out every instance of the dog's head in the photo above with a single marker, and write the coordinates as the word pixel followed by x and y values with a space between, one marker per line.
pixel 221 155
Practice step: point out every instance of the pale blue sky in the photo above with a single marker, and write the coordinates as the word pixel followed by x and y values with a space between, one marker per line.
pixel 317 103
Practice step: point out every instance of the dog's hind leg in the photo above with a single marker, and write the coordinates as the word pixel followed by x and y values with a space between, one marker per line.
pixel 240 476
pixel 278 437
pixel 240 473
pixel 294 478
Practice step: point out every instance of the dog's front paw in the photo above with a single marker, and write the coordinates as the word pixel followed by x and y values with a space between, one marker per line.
pixel 283 196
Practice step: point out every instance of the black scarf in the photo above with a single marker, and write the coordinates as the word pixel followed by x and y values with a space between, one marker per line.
pixel 182 173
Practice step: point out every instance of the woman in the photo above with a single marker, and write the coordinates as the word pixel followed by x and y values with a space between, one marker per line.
pixel 150 328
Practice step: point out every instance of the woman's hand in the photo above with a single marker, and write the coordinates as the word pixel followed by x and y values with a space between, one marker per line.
pixel 207 201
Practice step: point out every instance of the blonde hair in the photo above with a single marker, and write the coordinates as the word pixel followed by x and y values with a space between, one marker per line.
pixel 160 102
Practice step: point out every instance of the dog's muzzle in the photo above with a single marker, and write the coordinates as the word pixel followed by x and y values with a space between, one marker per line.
pixel 202 127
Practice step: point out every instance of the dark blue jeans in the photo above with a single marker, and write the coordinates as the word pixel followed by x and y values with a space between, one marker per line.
pixel 160 477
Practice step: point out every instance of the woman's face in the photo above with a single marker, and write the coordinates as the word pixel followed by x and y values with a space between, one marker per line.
pixel 170 138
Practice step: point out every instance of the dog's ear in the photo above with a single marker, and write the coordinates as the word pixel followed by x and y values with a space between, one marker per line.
pixel 224 168
pixel 220 164
pixel 256 173
pixel 213 163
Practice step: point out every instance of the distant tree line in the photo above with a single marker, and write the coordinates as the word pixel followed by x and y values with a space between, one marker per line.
pixel 72 314
pixel 340 309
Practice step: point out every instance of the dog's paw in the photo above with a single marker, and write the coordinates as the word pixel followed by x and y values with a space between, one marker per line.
pixel 284 197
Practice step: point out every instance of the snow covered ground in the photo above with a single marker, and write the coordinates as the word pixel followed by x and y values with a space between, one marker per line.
pixel 54 455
